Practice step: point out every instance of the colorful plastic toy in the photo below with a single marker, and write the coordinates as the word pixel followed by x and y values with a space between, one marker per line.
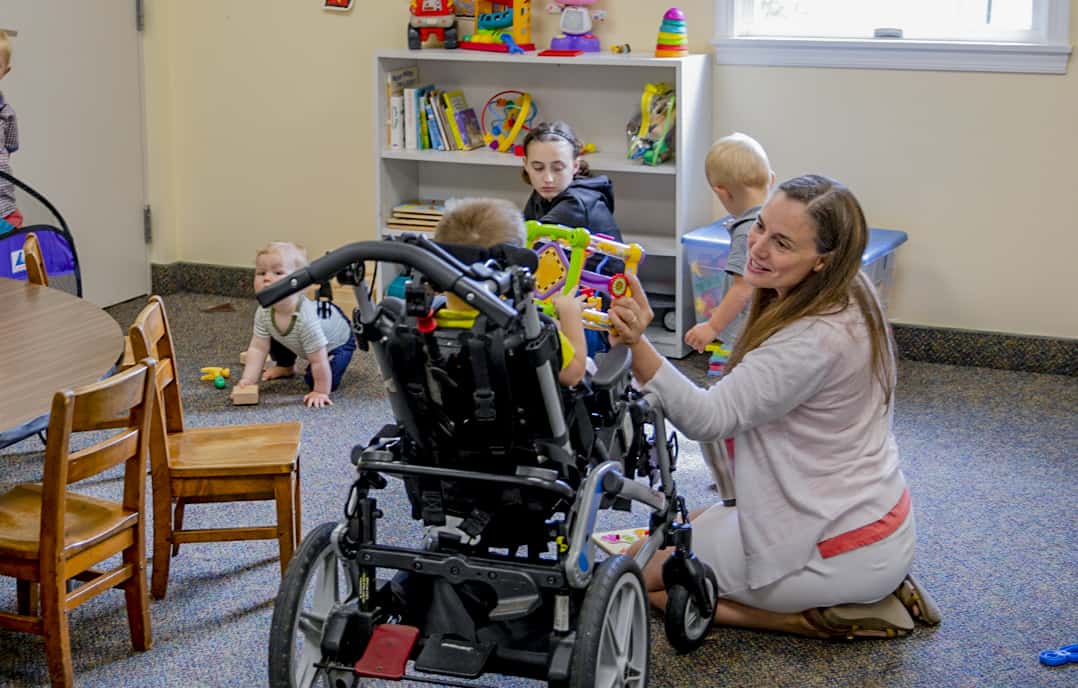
pixel 502 26
pixel 432 18
pixel 211 373
pixel 575 25
pixel 1064 655
pixel 673 40
pixel 510 113
pixel 651 131
pixel 562 252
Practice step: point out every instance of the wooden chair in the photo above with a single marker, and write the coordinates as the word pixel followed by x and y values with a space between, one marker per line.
pixel 50 535
pixel 216 464
pixel 35 264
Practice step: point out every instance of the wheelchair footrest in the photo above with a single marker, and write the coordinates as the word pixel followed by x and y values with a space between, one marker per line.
pixel 453 656
pixel 388 651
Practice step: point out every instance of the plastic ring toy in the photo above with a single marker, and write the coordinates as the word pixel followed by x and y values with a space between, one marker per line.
pixel 1054 657
pixel 1071 651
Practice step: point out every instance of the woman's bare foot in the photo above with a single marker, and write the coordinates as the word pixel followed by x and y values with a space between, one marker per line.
pixel 278 371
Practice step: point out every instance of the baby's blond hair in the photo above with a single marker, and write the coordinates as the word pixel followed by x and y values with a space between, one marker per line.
pixel 5 47
pixel 287 251
pixel 483 222
pixel 737 160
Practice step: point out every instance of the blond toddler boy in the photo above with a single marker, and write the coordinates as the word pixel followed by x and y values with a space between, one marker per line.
pixel 739 173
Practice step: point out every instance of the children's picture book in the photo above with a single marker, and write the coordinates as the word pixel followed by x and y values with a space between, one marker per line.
pixel 619 541
pixel 470 131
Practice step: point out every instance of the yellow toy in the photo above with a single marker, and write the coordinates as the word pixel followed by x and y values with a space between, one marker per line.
pixel 209 373
pixel 507 29
pixel 558 273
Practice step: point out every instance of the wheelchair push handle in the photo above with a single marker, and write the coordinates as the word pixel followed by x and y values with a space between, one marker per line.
pixel 443 271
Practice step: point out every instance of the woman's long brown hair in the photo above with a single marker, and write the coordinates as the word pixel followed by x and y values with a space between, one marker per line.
pixel 841 236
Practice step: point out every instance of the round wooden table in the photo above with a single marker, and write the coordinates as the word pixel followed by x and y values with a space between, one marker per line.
pixel 49 340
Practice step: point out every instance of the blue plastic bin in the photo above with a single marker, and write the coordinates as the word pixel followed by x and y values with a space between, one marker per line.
pixel 707 248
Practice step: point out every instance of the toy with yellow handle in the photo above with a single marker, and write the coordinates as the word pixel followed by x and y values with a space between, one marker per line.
pixel 562 254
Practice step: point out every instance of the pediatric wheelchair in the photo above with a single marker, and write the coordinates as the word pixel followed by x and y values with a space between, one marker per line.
pixel 507 471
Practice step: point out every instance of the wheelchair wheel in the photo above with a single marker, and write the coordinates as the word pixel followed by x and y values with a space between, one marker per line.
pixel 315 583
pixel 612 636
pixel 686 626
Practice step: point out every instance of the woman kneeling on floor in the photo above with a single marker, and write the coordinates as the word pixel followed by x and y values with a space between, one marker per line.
pixel 821 541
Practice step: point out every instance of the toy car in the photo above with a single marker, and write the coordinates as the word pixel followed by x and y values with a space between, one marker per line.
pixel 432 17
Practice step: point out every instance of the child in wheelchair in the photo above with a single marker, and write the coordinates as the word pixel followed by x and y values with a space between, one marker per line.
pixel 507 471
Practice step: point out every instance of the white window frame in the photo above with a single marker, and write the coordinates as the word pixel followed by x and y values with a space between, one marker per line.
pixel 1049 56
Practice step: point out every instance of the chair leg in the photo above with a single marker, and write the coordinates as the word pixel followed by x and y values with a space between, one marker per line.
pixel 297 509
pixel 178 521
pixel 57 639
pixel 162 536
pixel 27 595
pixel 283 492
pixel 135 593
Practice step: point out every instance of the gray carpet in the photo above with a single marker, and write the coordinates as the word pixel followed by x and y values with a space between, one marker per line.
pixel 991 456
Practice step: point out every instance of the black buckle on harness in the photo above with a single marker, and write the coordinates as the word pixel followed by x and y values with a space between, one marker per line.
pixel 484 404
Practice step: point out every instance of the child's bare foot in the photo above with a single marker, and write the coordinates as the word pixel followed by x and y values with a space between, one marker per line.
pixel 278 371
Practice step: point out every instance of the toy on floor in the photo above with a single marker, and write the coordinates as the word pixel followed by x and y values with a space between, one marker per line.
pixel 511 112
pixel 213 374
pixel 619 541
pixel 502 26
pixel 428 18
pixel 1064 655
pixel 719 355
pixel 245 395
pixel 673 40
pixel 575 25
pixel 562 252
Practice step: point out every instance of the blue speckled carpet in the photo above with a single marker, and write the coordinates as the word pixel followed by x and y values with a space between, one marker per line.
pixel 991 456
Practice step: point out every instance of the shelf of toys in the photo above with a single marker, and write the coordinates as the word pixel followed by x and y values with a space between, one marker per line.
pixel 598 94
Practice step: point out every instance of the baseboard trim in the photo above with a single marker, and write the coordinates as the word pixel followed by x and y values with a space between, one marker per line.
pixel 1029 353
pixel 1055 356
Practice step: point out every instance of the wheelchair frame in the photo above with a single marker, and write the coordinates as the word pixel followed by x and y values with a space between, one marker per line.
pixel 559 606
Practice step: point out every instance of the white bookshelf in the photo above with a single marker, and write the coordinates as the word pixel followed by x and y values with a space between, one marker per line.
pixel 597 95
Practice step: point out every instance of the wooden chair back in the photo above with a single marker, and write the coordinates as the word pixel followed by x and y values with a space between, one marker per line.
pixel 35 263
pixel 76 533
pixel 234 463
pixel 125 396
pixel 151 336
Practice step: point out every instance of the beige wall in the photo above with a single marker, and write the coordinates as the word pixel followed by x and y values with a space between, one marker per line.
pixel 260 128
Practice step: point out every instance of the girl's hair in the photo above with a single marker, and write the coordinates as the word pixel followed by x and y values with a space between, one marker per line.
pixel 287 250
pixel 841 235
pixel 556 131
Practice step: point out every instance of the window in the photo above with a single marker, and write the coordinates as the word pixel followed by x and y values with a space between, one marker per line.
pixel 973 35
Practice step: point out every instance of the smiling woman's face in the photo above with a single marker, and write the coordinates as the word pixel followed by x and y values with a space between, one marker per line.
pixel 782 246
pixel 550 166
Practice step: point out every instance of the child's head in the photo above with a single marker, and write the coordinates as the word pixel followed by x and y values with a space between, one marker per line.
pixel 277 259
pixel 483 222
pixel 552 158
pixel 737 166
pixel 5 53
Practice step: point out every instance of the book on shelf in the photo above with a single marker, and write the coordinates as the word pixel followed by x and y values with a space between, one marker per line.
pixel 432 126
pixel 470 130
pixel 435 208
pixel 419 116
pixel 396 122
pixel 455 105
pixel 444 131
pixel 396 81
pixel 411 126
